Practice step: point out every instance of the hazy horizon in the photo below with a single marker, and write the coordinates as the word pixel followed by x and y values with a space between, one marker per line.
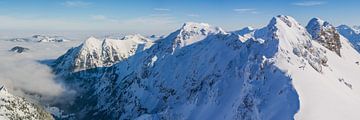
pixel 95 16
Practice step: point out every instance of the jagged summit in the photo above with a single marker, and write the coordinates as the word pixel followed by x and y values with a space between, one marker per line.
pixel 91 43
pixel 283 20
pixel 325 33
pixel 192 32
pixel 136 37
pixel 244 31
pixel 284 29
pixel 279 26
pixel 93 53
pixel 192 28
pixel 186 35
pixel 315 25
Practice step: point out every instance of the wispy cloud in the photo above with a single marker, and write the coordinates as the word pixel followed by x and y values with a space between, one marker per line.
pixel 138 24
pixel 103 18
pixel 193 15
pixel 246 10
pixel 309 3
pixel 161 9
pixel 160 15
pixel 76 4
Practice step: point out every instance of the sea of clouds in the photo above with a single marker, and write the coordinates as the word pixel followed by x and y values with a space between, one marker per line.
pixel 24 75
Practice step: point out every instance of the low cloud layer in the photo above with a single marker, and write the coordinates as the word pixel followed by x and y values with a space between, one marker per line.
pixel 24 76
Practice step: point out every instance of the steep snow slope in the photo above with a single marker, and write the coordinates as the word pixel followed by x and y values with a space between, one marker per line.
pixel 94 53
pixel 352 34
pixel 16 108
pixel 331 93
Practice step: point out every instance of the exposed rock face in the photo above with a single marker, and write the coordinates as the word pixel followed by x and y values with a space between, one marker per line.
pixel 16 108
pixel 19 49
pixel 325 33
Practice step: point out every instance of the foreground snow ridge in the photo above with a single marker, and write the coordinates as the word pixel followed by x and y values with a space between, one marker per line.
pixel 16 108
pixel 279 72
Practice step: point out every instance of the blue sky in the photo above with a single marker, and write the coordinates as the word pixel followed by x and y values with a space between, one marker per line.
pixel 164 16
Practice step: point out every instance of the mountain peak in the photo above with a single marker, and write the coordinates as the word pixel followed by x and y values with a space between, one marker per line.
pixel 283 20
pixel 200 27
pixel 91 42
pixel 190 33
pixel 317 22
pixel 189 25
pixel 245 30
pixel 136 38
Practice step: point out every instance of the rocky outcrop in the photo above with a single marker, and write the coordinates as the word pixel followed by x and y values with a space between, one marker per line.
pixel 325 33
pixel 19 49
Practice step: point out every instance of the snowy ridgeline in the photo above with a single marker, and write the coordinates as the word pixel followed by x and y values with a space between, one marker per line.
pixel 16 108
pixel 281 71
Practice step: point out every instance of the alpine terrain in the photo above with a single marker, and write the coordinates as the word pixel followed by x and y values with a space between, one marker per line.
pixel 279 72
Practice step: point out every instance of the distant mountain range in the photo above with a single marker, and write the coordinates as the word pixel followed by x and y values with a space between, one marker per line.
pixel 40 38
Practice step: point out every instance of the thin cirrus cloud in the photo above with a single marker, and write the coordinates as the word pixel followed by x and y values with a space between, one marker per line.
pixel 309 3
pixel 193 15
pixel 78 4
pixel 103 18
pixel 161 9
pixel 246 10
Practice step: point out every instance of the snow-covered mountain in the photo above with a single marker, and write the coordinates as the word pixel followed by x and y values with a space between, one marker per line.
pixel 40 38
pixel 16 108
pixel 94 53
pixel 352 34
pixel 280 72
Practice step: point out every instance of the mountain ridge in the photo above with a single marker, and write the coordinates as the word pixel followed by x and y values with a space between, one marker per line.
pixel 193 73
